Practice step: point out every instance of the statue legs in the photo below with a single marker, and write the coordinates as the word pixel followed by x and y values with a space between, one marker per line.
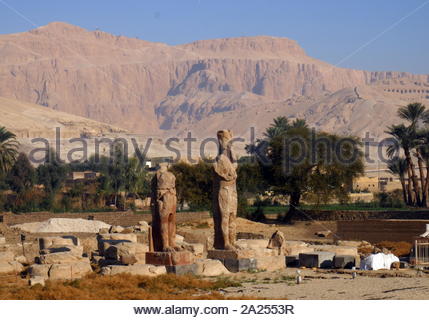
pixel 225 218
pixel 168 224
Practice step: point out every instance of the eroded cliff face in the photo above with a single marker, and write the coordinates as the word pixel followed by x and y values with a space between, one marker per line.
pixel 152 87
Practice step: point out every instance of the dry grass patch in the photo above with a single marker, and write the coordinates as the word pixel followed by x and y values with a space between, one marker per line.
pixel 120 287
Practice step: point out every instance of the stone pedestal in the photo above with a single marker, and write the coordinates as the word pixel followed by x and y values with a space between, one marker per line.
pixel 292 261
pixel 169 258
pixel 179 262
pixel 183 269
pixel 271 263
pixel 234 261
pixel 344 262
pixel 230 254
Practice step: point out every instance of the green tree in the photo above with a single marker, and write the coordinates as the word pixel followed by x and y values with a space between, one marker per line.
pixel 406 139
pixel 303 162
pixel 423 155
pixel 280 126
pixel 8 150
pixel 410 140
pixel 249 179
pixel 52 175
pixel 194 184
pixel 136 181
pixel 22 175
pixel 117 171
pixel 398 166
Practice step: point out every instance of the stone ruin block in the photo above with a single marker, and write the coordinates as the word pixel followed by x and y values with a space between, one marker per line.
pixel 319 259
pixel 64 271
pixel 244 253
pixel 338 250
pixel 294 248
pixel 256 248
pixel 292 261
pixel 40 270
pixel 60 258
pixel 2 240
pixel 238 265
pixel 169 258
pixel 182 269
pixel 127 252
pixel 344 262
pixel 271 263
pixel 130 237
pixel 36 280
pixel 73 250
pixel 210 268
pixel 138 269
pixel 69 271
pixel 58 242
pixel 106 240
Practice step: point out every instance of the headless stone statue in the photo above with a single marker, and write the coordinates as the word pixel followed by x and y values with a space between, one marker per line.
pixel 163 203
pixel 225 194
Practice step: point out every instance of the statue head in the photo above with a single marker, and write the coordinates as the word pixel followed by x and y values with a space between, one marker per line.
pixel 224 137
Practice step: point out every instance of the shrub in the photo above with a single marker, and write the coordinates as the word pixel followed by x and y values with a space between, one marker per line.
pixel 390 199
pixel 257 215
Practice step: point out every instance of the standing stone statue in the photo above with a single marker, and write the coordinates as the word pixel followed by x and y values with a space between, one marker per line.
pixel 163 203
pixel 225 194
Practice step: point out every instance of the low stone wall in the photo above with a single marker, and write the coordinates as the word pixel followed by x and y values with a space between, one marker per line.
pixel 381 230
pixel 362 215
pixel 113 218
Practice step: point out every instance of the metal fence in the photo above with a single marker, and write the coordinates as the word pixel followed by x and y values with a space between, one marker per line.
pixel 421 252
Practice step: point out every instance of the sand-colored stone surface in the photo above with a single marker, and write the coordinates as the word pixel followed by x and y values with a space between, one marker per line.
pixel 374 285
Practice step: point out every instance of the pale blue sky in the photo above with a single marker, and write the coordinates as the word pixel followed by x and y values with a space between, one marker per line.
pixel 330 30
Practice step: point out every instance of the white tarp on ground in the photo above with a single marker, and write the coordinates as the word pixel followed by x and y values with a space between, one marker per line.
pixel 378 261
pixel 62 225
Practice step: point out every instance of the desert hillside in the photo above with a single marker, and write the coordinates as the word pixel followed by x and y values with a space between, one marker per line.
pixel 29 121
pixel 154 88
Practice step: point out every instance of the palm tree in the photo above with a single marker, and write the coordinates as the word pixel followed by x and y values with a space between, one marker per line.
pixel 280 126
pixel 423 155
pixel 407 139
pixel 413 112
pixel 8 150
pixel 398 166
pixel 299 123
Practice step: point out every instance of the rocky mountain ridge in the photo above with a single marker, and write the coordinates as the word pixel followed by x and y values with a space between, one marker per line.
pixel 154 88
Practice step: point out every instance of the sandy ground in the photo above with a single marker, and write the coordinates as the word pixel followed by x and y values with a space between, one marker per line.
pixel 331 285
pixel 300 230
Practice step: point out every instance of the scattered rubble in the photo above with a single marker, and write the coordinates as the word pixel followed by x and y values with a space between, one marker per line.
pixel 210 268
pixel 61 258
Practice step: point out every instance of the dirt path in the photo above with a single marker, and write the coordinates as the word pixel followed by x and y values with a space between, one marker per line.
pixel 332 286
